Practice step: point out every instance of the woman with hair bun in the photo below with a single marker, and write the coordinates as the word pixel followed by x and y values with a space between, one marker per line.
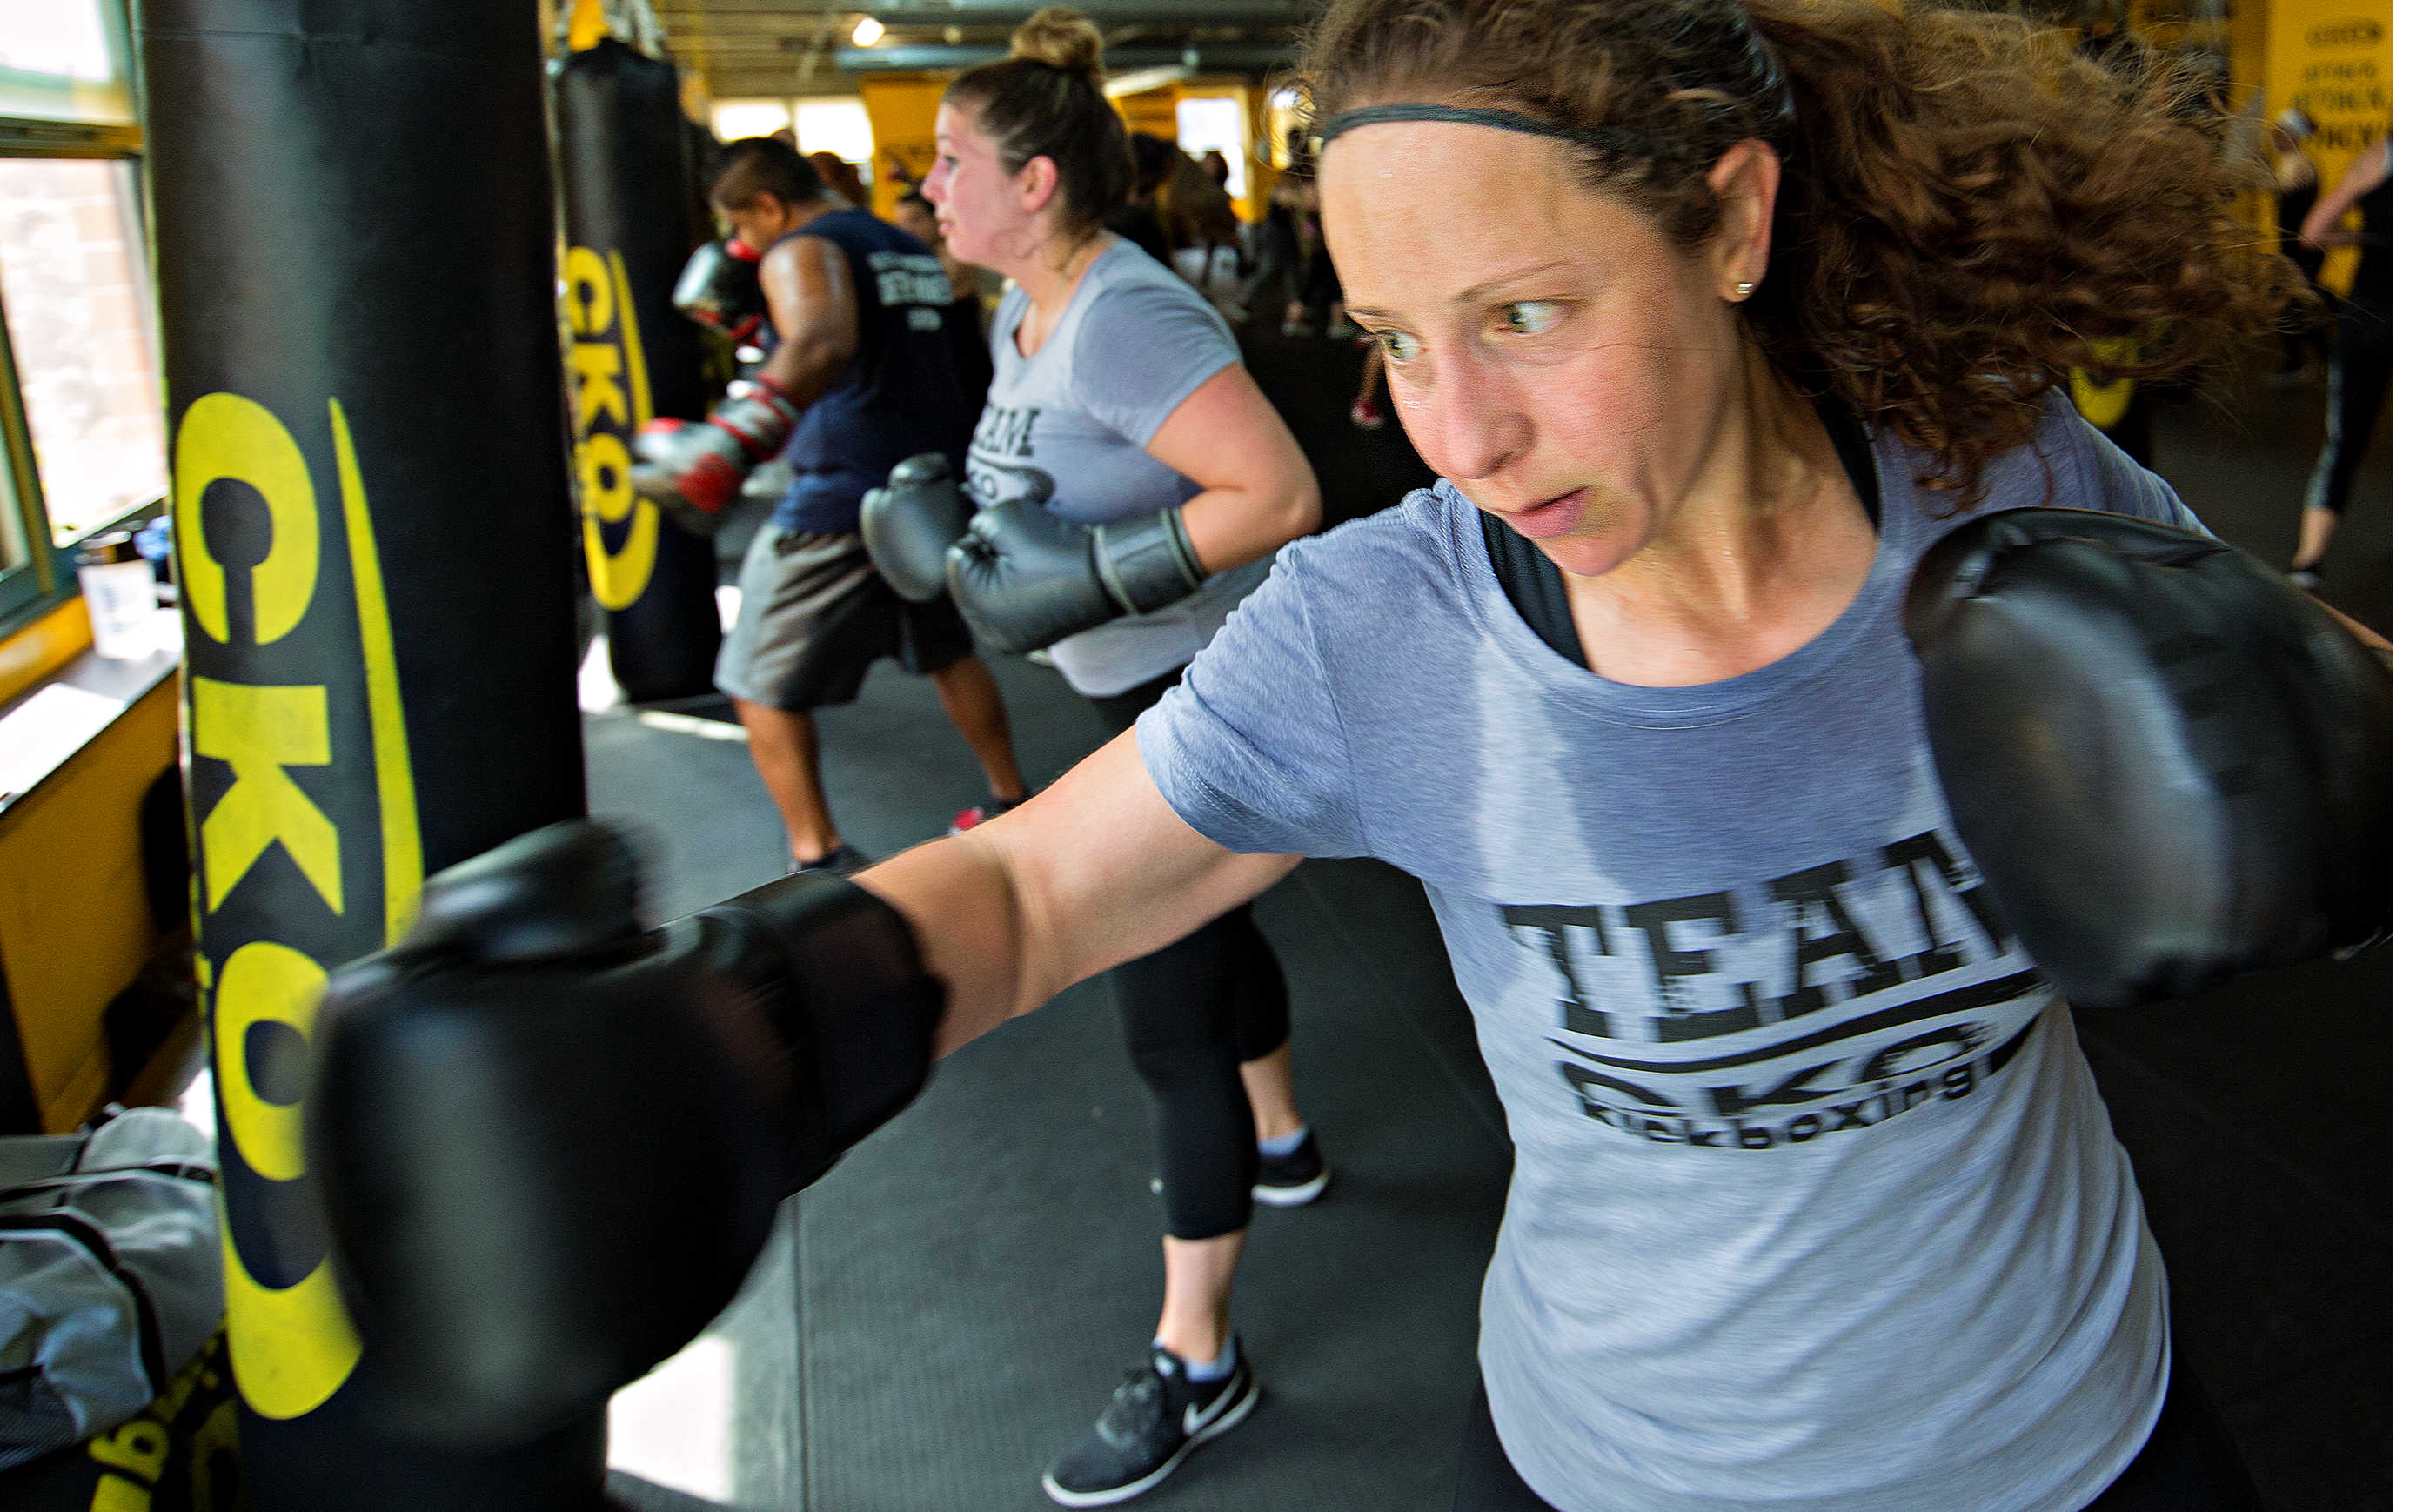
pixel 1120 427
pixel 1713 317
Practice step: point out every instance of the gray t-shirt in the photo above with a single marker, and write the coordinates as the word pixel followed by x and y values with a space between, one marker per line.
pixel 1068 427
pixel 1815 1207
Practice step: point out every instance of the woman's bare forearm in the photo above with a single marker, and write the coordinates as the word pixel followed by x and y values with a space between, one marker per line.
pixel 958 896
pixel 1093 871
pixel 1230 527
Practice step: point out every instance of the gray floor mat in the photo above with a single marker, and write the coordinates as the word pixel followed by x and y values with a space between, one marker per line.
pixel 976 1276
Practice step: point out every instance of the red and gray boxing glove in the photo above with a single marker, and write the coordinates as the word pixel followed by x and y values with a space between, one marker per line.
pixel 695 467
pixel 719 288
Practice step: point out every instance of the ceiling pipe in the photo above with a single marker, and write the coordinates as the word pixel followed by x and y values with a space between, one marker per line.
pixel 1145 80
pixel 1210 57
pixel 1104 13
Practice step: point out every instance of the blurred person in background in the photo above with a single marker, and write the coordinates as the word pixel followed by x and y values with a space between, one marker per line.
pixel 964 322
pixel 1195 207
pixel 1279 250
pixel 1119 402
pixel 2359 353
pixel 840 177
pixel 2298 184
pixel 1317 292
pixel 1139 220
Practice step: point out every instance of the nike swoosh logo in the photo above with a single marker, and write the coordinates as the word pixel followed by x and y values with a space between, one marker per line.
pixel 1197 1416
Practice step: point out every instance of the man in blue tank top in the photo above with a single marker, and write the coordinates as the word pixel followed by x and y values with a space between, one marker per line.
pixel 863 352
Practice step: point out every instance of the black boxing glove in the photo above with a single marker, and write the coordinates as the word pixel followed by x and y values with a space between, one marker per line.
pixel 1024 579
pixel 909 523
pixel 550 1143
pixel 694 468
pixel 2170 766
pixel 719 288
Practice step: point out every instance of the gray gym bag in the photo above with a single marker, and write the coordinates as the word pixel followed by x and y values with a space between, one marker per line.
pixel 109 1274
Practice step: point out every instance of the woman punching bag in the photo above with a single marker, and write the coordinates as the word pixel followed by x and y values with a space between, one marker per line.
pixel 355 246
pixel 632 211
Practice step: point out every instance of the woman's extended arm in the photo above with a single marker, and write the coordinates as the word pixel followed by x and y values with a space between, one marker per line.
pixel 2363 176
pixel 1258 491
pixel 1095 870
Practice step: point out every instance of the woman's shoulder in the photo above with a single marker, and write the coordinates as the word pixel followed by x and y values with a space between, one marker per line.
pixel 1149 340
pixel 1378 560
pixel 2065 463
pixel 1128 277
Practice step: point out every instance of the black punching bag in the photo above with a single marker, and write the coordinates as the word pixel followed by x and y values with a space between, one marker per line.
pixel 632 212
pixel 355 246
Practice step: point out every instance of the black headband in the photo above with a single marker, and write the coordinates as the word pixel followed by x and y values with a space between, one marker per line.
pixel 1605 138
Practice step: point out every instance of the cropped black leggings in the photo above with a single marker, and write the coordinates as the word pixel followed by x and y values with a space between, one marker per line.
pixel 2359 383
pixel 1193 1012
pixel 2189 1464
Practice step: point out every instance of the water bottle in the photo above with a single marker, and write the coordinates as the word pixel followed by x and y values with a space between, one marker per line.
pixel 116 583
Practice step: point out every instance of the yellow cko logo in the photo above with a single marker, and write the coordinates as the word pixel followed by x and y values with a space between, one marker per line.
pixel 292 1346
pixel 610 404
pixel 2103 405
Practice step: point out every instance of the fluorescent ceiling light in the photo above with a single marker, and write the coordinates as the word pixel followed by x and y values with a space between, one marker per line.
pixel 1143 80
pixel 868 32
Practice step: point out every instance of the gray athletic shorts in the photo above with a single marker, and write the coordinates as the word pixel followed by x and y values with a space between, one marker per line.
pixel 815 614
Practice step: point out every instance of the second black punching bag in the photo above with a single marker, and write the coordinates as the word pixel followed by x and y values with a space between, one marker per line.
pixel 632 211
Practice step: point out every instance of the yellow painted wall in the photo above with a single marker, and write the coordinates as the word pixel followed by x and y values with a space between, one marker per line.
pixel 75 925
pixel 900 113
pixel 43 647
pixel 1258 173
pixel 1153 112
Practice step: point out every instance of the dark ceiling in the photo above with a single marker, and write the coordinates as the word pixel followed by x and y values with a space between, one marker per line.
pixel 797 47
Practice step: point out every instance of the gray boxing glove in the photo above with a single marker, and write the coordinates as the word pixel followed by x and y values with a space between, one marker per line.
pixel 1024 579
pixel 909 524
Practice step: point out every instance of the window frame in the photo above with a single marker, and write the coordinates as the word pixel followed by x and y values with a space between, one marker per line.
pixel 47 577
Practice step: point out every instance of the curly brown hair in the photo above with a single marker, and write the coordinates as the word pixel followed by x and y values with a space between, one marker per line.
pixel 1968 204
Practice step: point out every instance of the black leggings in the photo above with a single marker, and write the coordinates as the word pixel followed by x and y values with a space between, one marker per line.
pixel 1192 1012
pixel 2359 382
pixel 2189 1464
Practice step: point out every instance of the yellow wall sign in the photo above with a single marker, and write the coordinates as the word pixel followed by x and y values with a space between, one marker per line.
pixel 2331 58
pixel 900 109
pixel 290 881
pixel 611 403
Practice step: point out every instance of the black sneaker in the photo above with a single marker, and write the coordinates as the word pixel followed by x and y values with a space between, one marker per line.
pixel 1155 1417
pixel 1294 1179
pixel 844 861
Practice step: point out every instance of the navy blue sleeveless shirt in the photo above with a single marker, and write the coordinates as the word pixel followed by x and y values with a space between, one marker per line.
pixel 899 396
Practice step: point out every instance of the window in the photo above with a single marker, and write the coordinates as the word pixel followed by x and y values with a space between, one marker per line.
pixel 82 436
pixel 1215 123
pixel 78 302
pixel 64 61
pixel 836 126
pixel 736 119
